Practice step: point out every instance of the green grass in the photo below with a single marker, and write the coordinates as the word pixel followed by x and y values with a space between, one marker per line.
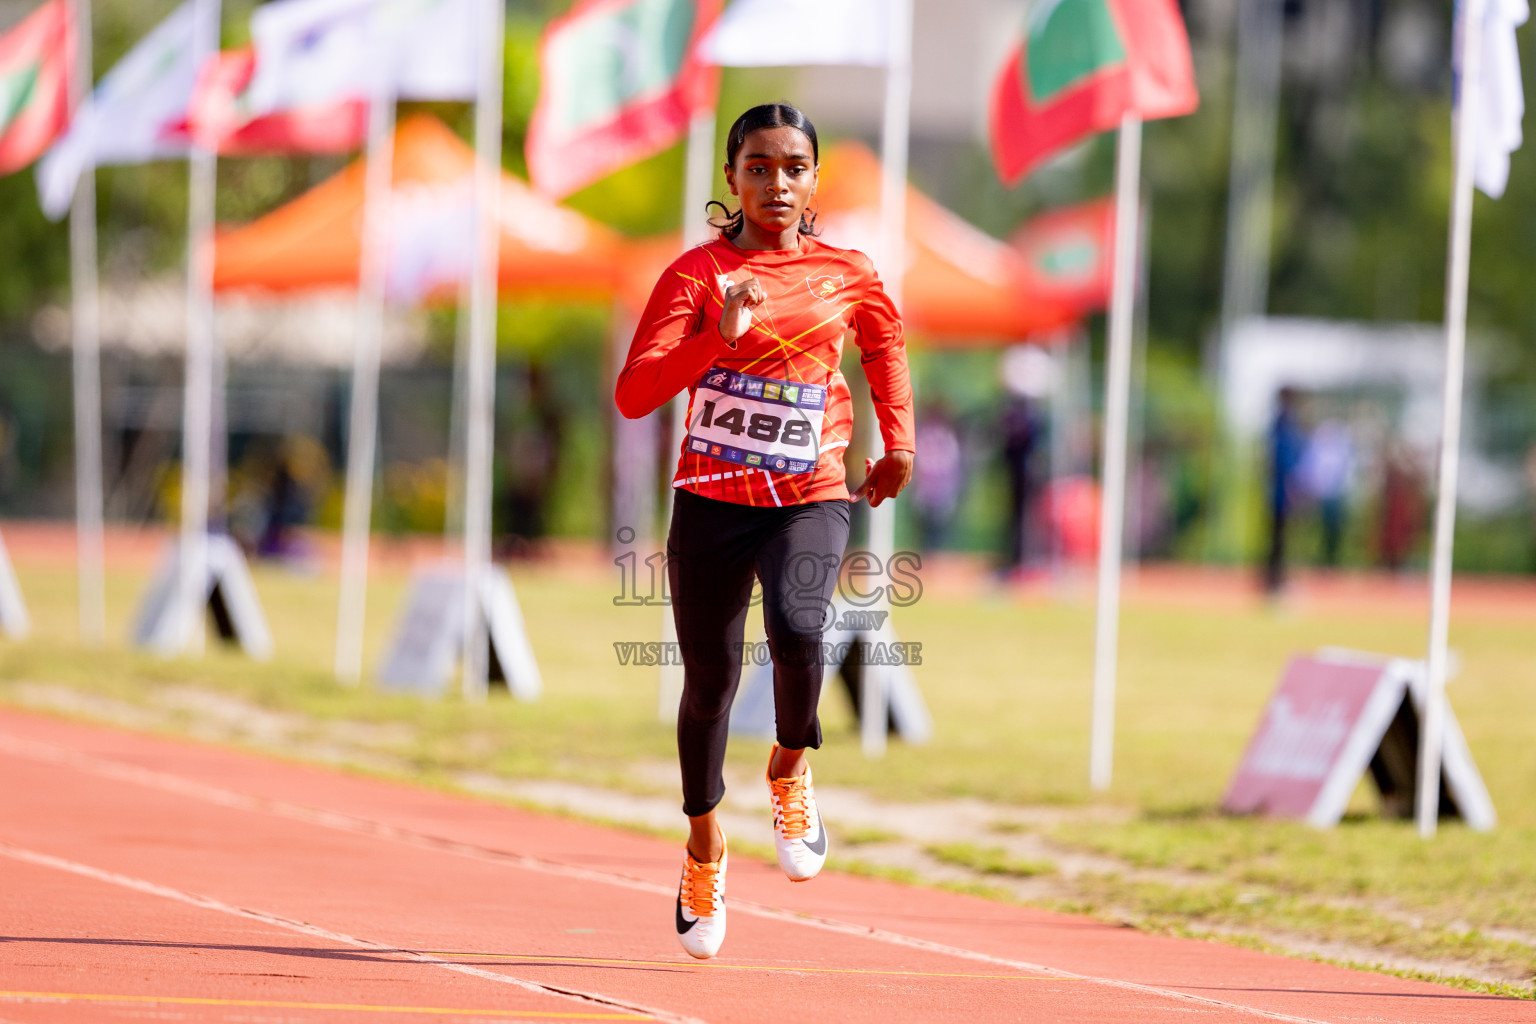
pixel 1489 875
pixel 1164 907
pixel 1007 683
pixel 989 860
pixel 863 836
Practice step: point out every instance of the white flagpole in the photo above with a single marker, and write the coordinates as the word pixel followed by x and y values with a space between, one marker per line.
pixel 895 134
pixel 1432 736
pixel 1250 197
pixel 14 620
pixel 1117 388
pixel 197 412
pixel 1250 203
pixel 363 422
pixel 698 178
pixel 453 500
pixel 86 324
pixel 1136 422
pixel 481 363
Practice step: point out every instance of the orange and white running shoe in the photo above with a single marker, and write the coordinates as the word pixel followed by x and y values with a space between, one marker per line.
pixel 701 907
pixel 798 836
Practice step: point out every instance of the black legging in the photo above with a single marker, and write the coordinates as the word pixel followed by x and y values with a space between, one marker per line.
pixel 713 550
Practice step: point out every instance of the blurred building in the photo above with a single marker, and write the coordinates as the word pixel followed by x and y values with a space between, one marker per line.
pixel 1398 370
pixel 286 363
pixel 148 318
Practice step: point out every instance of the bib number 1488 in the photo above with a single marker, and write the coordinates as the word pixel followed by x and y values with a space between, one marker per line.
pixel 761 426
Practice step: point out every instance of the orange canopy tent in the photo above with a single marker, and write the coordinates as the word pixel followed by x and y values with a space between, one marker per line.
pixel 961 285
pixel 314 240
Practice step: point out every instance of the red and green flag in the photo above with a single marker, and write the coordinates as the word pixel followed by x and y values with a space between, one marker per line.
pixel 1081 65
pixel 219 115
pixel 36 59
pixel 1070 255
pixel 619 83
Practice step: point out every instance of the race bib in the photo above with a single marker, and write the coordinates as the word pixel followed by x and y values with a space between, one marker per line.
pixel 757 421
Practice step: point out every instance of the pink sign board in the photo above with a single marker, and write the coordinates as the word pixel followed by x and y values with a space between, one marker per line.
pixel 1321 729
pixel 1304 740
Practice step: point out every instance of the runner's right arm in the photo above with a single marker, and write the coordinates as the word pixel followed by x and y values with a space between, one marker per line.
pixel 675 342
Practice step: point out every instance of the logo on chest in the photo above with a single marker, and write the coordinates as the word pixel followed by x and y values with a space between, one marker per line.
pixel 826 288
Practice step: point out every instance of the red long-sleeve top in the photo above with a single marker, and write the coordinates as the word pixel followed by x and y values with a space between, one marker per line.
pixel 815 295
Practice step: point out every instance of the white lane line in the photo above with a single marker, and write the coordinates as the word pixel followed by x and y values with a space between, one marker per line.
pixel 303 928
pixel 367 827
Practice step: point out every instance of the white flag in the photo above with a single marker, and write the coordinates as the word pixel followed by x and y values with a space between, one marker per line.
pixel 431 239
pixel 775 33
pixel 1500 93
pixel 317 52
pixel 136 114
pixel 432 232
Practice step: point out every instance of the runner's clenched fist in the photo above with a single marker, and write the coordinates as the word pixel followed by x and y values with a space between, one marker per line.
pixel 740 300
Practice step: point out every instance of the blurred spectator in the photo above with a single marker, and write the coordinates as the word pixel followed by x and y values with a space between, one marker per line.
pixel 1285 443
pixel 1402 506
pixel 1327 467
pixel 7 452
pixel 1530 481
pixel 1153 503
pixel 301 465
pixel 939 476
pixel 283 511
pixel 1021 430
pixel 1071 507
pixel 532 463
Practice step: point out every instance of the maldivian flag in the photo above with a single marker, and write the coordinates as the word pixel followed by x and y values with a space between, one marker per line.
pixel 619 83
pixel 220 116
pixel 1081 65
pixel 1070 255
pixel 36 60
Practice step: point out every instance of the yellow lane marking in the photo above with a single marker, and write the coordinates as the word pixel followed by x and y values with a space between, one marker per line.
pixel 750 967
pixel 354 1007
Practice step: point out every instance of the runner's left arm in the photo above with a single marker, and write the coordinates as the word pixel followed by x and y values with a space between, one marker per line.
pixel 883 357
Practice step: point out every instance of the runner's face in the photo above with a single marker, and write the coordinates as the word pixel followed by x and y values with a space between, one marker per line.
pixel 775 176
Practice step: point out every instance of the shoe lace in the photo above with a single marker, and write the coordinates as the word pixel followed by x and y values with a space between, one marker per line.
pixel 794 805
pixel 699 887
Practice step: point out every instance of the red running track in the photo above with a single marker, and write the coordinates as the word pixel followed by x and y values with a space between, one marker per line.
pixel 153 879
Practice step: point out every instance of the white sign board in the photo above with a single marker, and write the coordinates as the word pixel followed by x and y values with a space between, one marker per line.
pixel 429 636
pixel 14 621
pixel 1335 716
pixel 850 641
pixel 229 594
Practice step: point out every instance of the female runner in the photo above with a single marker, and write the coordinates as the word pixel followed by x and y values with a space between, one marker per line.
pixel 752 325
